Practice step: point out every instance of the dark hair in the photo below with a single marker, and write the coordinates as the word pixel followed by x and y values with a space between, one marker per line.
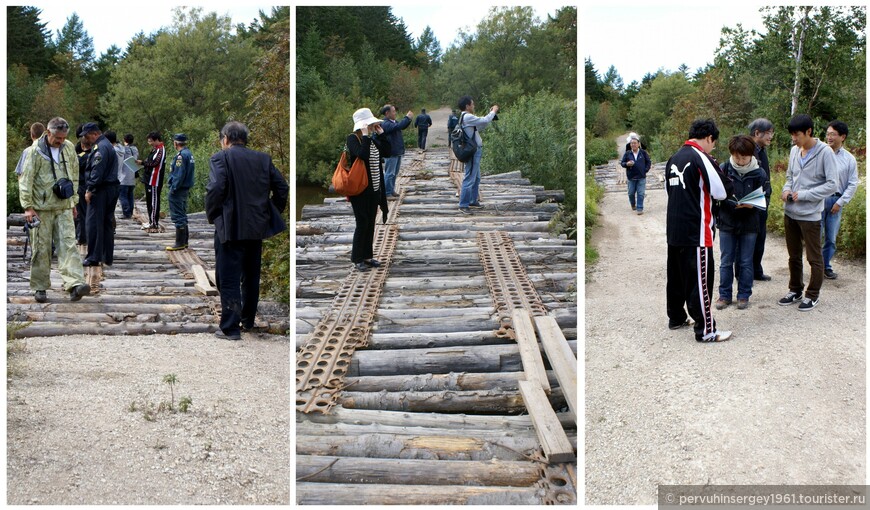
pixel 702 128
pixel 386 108
pixel 423 110
pixel 760 124
pixel 840 127
pixel 154 135
pixel 802 123
pixel 235 133
pixel 128 138
pixel 36 130
pixel 464 101
pixel 111 136
pixel 742 145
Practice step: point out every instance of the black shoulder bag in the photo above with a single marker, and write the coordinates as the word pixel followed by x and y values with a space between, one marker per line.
pixel 463 146
pixel 63 187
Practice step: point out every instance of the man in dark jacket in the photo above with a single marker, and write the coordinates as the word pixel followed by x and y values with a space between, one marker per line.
pixel 393 134
pixel 244 199
pixel 102 190
pixel 452 121
pixel 693 181
pixel 83 150
pixel 761 131
pixel 422 123
pixel 181 176
pixel 637 164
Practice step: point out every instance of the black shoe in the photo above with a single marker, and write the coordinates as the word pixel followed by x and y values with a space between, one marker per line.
pixel 475 205
pixel 465 210
pixel 78 291
pixel 687 322
pixel 808 304
pixel 223 336
pixel 372 263
pixel 830 274
pixel 361 267
pixel 40 296
pixel 89 263
pixel 762 278
pixel 791 297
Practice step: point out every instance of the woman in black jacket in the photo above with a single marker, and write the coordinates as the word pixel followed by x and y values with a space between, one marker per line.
pixel 365 143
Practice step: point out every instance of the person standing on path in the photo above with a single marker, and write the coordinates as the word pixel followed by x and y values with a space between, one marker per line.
pixel 693 181
pixel 738 223
pixel 847 184
pixel 152 176
pixel 637 164
pixel 128 179
pixel 36 131
pixel 53 155
pixel 393 134
pixel 244 199
pixel 810 179
pixel 422 123
pixel 470 194
pixel 101 194
pixel 761 131
pixel 367 142
pixel 452 121
pixel 181 177
pixel 83 150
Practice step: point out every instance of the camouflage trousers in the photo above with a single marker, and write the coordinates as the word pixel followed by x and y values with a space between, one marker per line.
pixel 56 226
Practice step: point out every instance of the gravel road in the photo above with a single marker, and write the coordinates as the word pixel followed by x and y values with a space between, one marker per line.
pixel 78 431
pixel 783 402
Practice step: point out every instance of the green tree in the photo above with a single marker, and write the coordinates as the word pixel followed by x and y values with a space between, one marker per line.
pixel 653 105
pixel 428 49
pixel 74 48
pixel 26 40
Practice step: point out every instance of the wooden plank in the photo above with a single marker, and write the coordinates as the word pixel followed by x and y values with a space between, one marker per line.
pixel 553 439
pixel 530 353
pixel 211 276
pixel 561 358
pixel 396 494
pixel 202 283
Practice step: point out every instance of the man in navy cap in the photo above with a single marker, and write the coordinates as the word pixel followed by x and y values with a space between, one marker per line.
pixel 180 181
pixel 102 190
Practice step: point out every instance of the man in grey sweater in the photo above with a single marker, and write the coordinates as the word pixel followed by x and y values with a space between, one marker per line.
pixel 809 180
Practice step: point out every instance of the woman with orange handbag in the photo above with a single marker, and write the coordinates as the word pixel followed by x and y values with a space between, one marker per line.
pixel 365 143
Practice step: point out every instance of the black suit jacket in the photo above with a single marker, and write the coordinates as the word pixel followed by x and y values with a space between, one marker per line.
pixel 245 195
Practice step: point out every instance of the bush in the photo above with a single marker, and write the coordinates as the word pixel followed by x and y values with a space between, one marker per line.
pixel 594 195
pixel 536 135
pixel 599 151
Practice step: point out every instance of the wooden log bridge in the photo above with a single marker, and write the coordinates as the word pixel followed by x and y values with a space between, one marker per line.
pixel 147 290
pixel 448 375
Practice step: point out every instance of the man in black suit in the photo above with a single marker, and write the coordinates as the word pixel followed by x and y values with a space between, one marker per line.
pixel 244 199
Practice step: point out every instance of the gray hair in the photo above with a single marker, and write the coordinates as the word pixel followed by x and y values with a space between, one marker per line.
pixel 58 125
pixel 235 132
pixel 760 124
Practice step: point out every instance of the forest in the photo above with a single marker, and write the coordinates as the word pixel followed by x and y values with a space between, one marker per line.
pixel 806 60
pixel 355 57
pixel 191 76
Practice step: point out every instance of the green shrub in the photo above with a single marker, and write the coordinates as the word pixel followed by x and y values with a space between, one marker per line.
pixel 536 135
pixel 599 151
pixel 594 194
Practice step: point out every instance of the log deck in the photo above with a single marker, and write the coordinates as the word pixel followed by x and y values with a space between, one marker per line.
pixel 147 290
pixel 429 409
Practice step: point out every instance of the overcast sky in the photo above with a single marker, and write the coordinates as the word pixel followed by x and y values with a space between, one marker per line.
pixel 641 39
pixel 117 23
pixel 446 19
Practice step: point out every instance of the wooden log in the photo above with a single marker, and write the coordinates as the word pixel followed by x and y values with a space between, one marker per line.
pixel 530 352
pixel 331 469
pixel 454 381
pixel 561 358
pixel 490 358
pixel 480 401
pixel 417 446
pixel 125 328
pixel 383 341
pixel 377 494
pixel 202 282
pixel 553 439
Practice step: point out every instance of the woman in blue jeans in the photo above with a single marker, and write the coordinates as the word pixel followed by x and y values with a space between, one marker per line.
pixel 738 223
pixel 637 164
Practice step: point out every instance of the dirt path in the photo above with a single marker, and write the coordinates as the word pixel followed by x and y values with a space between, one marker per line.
pixel 438 132
pixel 783 402
pixel 79 429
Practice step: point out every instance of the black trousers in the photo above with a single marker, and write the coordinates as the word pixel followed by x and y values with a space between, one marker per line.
pixel 759 243
pixel 422 134
pixel 237 271
pixel 152 199
pixel 365 211
pixel 81 218
pixel 100 225
pixel 690 286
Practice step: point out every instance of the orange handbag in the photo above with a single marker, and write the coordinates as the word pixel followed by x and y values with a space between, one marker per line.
pixel 350 180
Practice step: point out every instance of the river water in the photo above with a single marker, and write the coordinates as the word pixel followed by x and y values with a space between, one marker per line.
pixel 307 194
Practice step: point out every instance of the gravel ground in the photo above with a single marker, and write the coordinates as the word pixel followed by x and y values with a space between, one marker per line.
pixel 73 436
pixel 783 402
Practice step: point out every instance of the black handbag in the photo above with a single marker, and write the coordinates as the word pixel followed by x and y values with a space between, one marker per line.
pixel 463 146
pixel 63 187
